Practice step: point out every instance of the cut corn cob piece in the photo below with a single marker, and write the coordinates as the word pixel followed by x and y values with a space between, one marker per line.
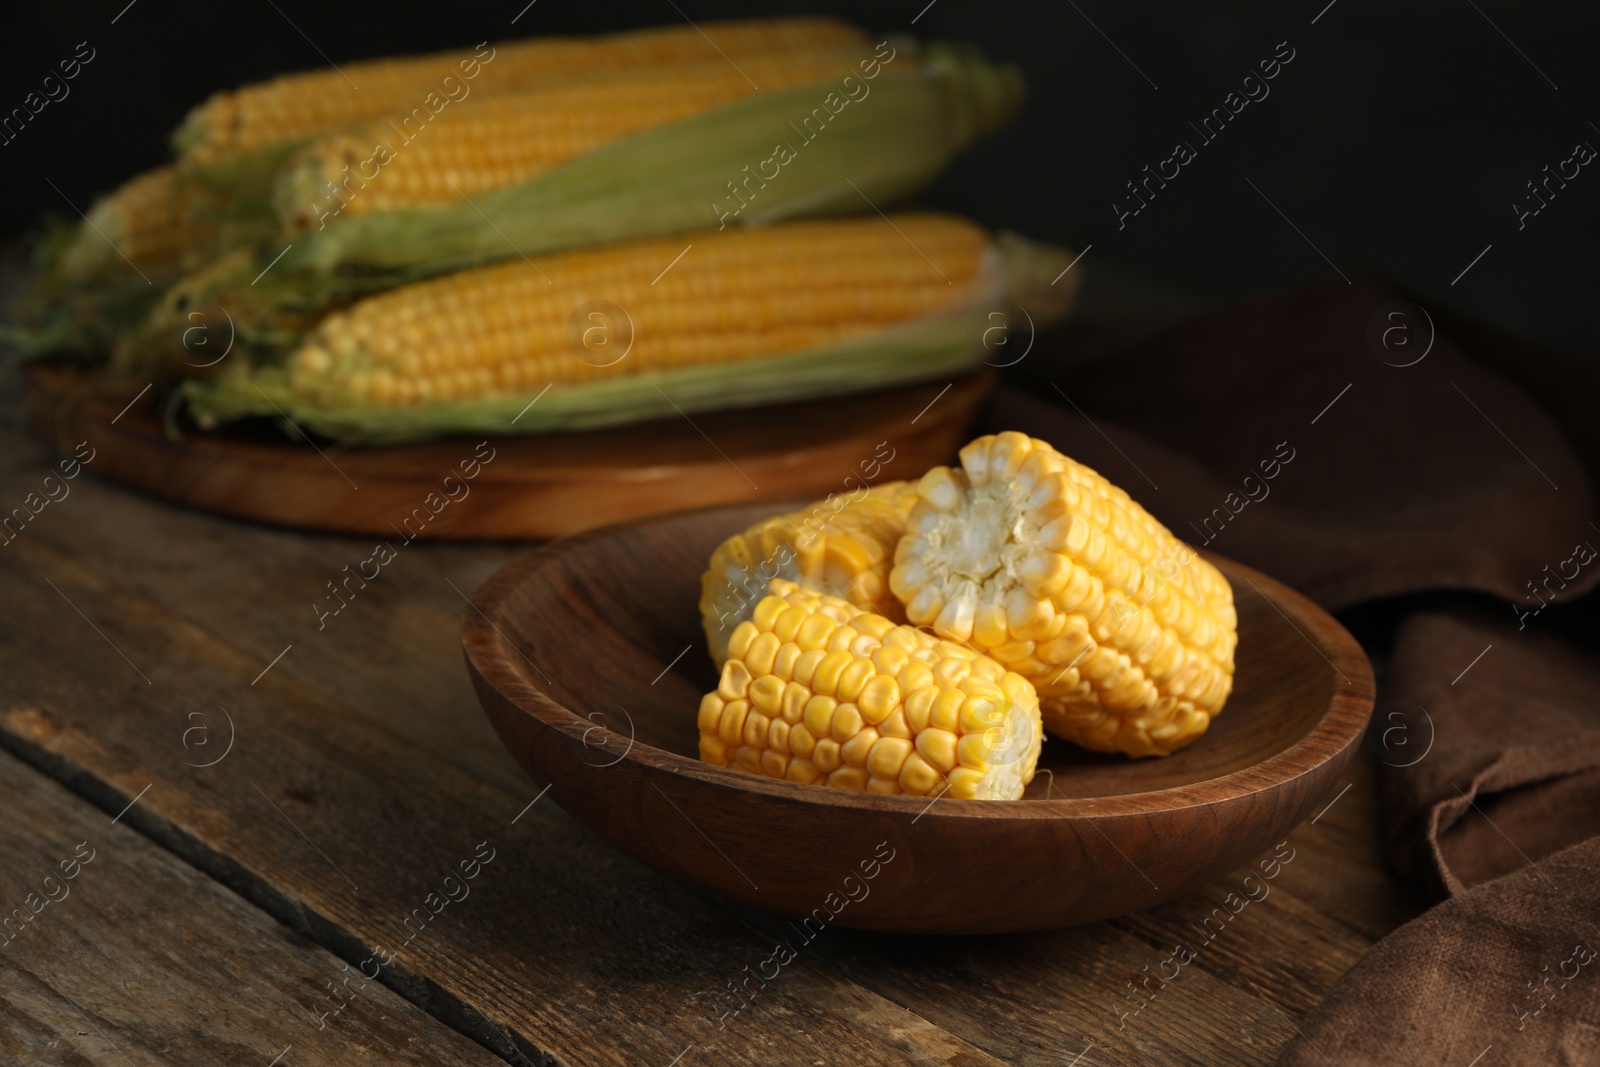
pixel 506 140
pixel 302 105
pixel 635 309
pixel 1038 561
pixel 843 546
pixel 818 691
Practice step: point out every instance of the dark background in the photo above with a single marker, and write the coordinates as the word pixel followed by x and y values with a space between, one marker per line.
pixel 1396 140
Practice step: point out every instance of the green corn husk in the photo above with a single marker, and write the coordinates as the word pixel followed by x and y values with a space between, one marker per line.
pixel 667 180
pixel 87 295
pixel 946 343
pixel 663 181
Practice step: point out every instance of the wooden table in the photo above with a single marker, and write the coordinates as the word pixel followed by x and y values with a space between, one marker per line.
pixel 268 804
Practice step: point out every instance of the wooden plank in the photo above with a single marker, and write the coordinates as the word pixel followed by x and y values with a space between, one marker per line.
pixel 114 952
pixel 1100 990
pixel 366 735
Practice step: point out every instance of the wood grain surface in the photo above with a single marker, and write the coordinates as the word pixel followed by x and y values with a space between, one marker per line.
pixel 363 772
pixel 518 487
pixel 115 951
pixel 588 657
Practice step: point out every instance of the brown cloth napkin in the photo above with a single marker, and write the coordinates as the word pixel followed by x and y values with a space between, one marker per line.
pixel 1437 475
pixel 1342 440
pixel 1503 813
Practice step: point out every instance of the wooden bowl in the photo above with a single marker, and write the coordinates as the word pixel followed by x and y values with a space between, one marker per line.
pixel 588 656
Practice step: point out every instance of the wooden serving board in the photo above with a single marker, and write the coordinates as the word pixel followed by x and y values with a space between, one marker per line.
pixel 530 487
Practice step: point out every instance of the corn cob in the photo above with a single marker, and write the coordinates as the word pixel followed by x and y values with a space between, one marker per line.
pixel 147 224
pixel 733 296
pixel 597 389
pixel 843 546
pixel 1057 574
pixel 816 690
pixel 505 140
pixel 302 105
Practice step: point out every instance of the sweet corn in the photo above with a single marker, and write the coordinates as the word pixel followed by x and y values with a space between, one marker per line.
pixel 1038 561
pixel 297 106
pixel 736 295
pixel 818 691
pixel 147 225
pixel 505 140
pixel 843 546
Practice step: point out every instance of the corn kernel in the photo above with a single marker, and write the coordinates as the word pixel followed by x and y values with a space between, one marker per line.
pixel 813 633
pixel 735 680
pixel 888 756
pixel 762 652
pixel 766 693
pixel 946 711
pixel 740 640
pixel 805 667
pixel 712 750
pixel 918 777
pixel 843 638
pixel 767 612
pixel 938 747
pixel 819 715
pixel 826 755
pixel 803 772
pixel 914 676
pixel 802 742
pixel 795 697
pixel 848 778
pixel 919 708
pixel 846 722
pixel 853 679
pixel 755 729
pixel 787 625
pixel 878 698
pixel 964 783
pixel 778 735
pixel 731 729
pixel 826 678
pixel 783 663
pixel 710 713
pixel 856 749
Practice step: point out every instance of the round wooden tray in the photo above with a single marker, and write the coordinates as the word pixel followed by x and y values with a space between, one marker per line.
pixel 589 659
pixel 531 487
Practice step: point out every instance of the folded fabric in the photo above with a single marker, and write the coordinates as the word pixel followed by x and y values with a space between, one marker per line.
pixel 1498 776
pixel 1281 433
pixel 1513 773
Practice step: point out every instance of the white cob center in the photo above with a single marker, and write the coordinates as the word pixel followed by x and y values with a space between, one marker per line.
pixel 980 543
